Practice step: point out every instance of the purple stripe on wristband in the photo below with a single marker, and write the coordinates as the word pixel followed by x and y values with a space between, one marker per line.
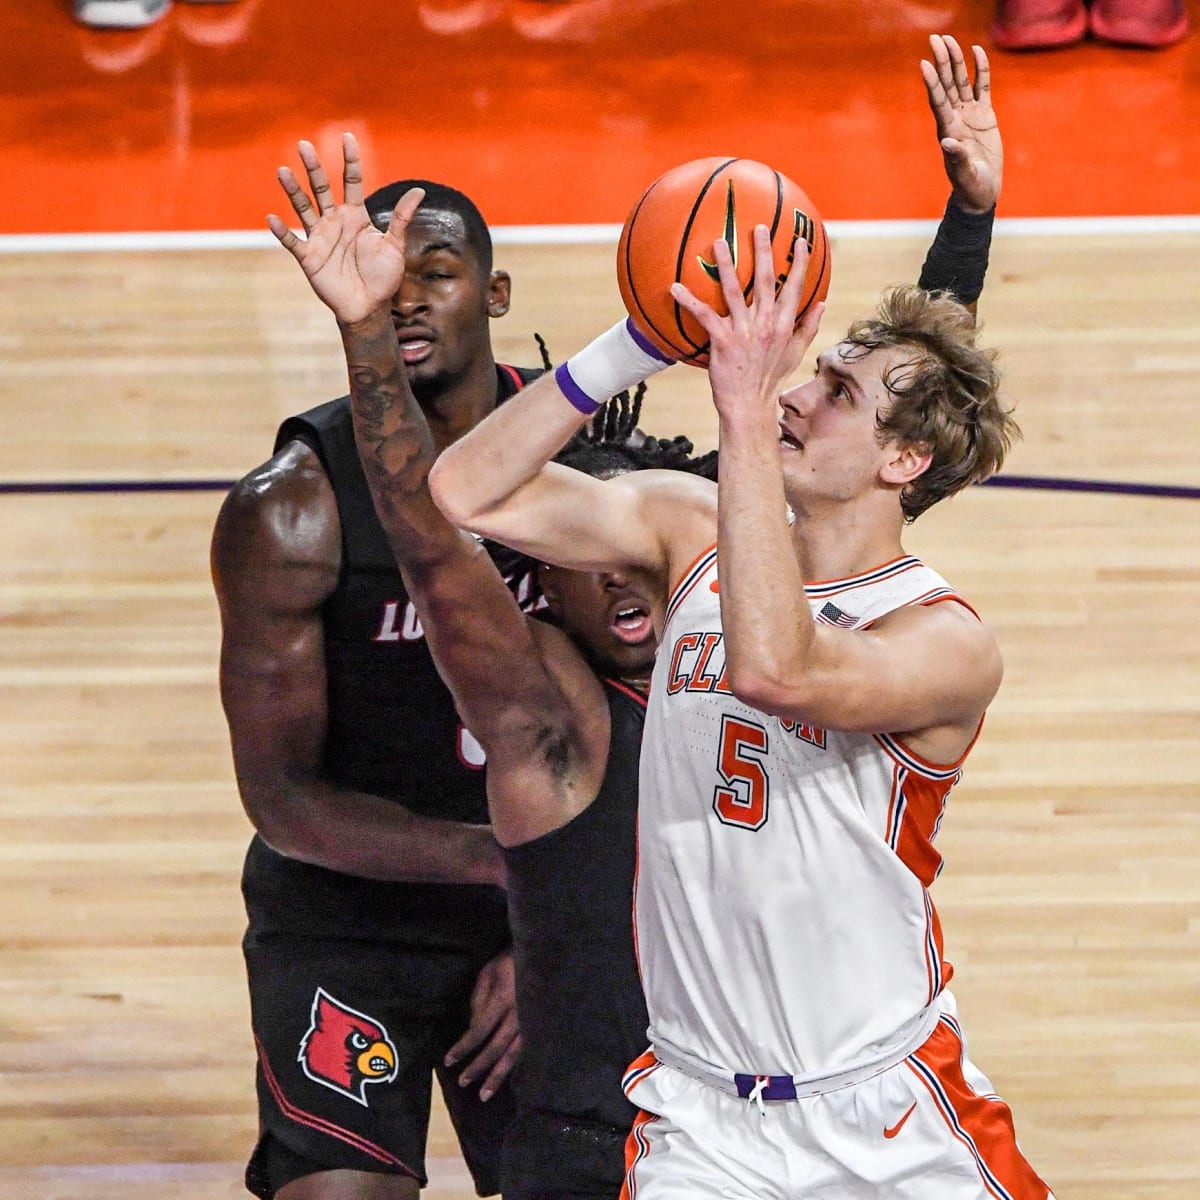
pixel 643 343
pixel 573 392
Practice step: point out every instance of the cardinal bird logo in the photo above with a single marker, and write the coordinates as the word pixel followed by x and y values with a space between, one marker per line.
pixel 345 1050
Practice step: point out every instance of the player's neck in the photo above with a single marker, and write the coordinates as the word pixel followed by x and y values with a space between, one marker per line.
pixel 462 404
pixel 839 543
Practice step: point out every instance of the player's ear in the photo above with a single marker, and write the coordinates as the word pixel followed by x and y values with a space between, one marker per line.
pixel 499 293
pixel 906 463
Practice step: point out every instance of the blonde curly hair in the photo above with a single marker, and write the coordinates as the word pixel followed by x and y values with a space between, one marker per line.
pixel 945 399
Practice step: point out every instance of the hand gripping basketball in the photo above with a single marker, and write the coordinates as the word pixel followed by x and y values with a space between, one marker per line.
pixel 759 342
pixel 668 238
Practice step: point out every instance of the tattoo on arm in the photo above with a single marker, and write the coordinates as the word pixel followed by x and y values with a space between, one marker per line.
pixel 397 450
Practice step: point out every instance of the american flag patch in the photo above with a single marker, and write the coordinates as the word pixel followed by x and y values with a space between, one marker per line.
pixel 832 615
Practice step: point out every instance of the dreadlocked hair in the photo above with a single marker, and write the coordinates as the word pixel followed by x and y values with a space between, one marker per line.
pixel 612 444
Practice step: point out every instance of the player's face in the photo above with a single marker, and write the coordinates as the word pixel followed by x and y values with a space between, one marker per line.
pixel 829 439
pixel 442 309
pixel 611 614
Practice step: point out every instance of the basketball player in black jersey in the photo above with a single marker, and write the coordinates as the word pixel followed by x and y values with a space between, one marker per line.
pixel 378 943
pixel 556 707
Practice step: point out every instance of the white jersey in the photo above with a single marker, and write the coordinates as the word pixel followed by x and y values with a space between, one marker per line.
pixel 782 915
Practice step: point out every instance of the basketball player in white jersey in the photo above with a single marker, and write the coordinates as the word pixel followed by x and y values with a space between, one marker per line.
pixel 812 705
pixel 816 693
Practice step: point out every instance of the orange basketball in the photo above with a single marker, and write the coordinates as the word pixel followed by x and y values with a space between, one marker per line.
pixel 669 237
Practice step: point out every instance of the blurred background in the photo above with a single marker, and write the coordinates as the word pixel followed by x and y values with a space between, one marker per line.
pixel 559 111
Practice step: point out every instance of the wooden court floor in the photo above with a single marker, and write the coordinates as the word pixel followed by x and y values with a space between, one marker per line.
pixel 1071 895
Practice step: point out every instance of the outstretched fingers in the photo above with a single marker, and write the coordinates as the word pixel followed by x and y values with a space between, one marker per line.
pixel 764 268
pixel 935 90
pixel 352 172
pixel 404 212
pixel 983 75
pixel 943 65
pixel 287 239
pixel 707 317
pixel 788 300
pixel 958 68
pixel 318 181
pixel 301 205
pixel 731 288
pixel 808 325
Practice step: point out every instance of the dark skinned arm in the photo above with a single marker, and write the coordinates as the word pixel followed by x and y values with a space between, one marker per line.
pixel 275 556
pixel 521 687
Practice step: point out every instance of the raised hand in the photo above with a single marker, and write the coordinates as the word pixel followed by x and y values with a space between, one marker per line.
pixel 759 344
pixel 353 267
pixel 972 151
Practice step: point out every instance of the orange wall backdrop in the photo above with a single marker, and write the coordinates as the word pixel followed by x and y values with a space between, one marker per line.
pixel 560 112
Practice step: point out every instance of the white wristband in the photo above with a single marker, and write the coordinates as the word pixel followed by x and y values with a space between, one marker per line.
pixel 616 360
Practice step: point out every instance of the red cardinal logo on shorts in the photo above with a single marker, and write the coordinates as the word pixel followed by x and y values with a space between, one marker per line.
pixel 345 1050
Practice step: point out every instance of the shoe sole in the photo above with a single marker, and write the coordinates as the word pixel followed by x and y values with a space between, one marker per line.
pixel 117 15
pixel 1040 35
pixel 1133 31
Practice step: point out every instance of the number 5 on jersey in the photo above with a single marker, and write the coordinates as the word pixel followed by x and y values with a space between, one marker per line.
pixel 741 797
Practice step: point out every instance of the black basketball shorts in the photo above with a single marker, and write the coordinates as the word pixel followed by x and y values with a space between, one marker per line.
pixel 349 1036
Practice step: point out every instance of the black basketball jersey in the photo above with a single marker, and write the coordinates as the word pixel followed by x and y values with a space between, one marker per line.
pixel 579 997
pixel 392 727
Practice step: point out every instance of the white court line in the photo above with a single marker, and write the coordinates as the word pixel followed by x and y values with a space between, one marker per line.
pixel 558 235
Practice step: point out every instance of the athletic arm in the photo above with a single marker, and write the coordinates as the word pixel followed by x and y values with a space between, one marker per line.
pixel 927 672
pixel 276 552
pixel 498 480
pixel 521 688
pixel 973 157
pixel 924 670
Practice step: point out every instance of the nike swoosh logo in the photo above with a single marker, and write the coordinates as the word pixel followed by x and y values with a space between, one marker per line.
pixel 730 236
pixel 890 1131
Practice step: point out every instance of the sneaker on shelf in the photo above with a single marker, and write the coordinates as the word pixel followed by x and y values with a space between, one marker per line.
pixel 1149 23
pixel 1038 24
pixel 119 14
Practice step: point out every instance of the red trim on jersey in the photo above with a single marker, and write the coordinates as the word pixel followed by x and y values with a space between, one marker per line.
pixel 900 752
pixel 922 802
pixel 513 374
pixel 638 1070
pixel 893 566
pixel 920 600
pixel 939 596
pixel 636 1148
pixel 686 585
pixel 632 693
pixel 983 1124
pixel 321 1125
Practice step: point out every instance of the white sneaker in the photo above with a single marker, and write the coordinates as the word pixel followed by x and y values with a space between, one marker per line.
pixel 119 14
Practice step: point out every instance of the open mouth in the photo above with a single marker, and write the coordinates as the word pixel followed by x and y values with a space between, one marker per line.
pixel 787 442
pixel 415 346
pixel 631 623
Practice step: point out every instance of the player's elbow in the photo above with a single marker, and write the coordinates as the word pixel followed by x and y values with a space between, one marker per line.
pixel 280 817
pixel 266 807
pixel 447 487
pixel 761 685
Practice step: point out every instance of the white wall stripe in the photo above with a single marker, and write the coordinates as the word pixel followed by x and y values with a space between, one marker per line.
pixel 555 235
